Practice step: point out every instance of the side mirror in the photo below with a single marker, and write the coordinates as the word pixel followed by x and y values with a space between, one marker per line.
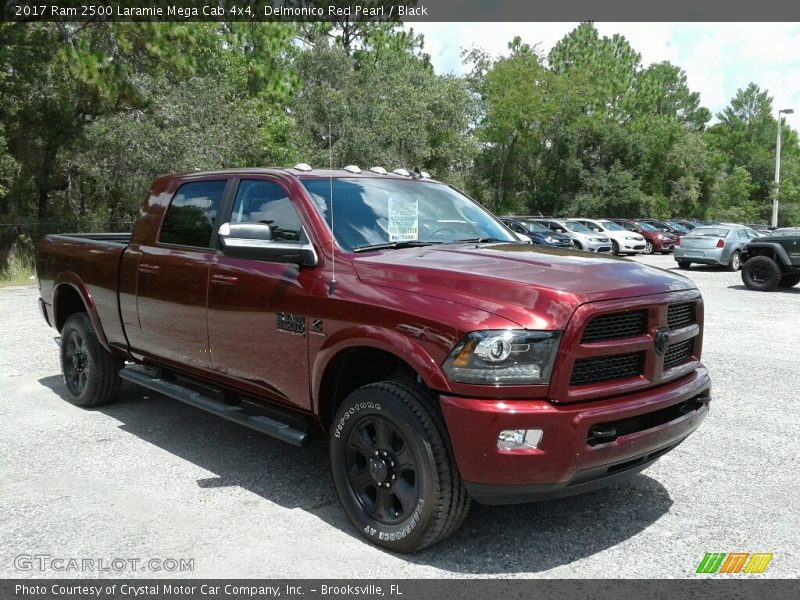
pixel 254 241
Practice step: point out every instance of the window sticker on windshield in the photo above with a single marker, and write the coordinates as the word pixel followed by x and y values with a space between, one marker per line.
pixel 403 220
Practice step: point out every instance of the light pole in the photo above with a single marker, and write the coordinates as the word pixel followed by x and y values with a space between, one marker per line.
pixel 785 111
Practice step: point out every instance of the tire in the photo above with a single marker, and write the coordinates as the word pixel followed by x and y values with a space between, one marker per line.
pixel 736 261
pixel 90 372
pixel 684 264
pixel 577 245
pixel 615 248
pixel 789 280
pixel 389 434
pixel 761 273
pixel 649 248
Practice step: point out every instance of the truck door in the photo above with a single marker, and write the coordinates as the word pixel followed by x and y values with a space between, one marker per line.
pixel 258 310
pixel 172 278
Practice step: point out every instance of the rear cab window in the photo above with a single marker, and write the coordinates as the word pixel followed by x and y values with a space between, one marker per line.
pixel 192 214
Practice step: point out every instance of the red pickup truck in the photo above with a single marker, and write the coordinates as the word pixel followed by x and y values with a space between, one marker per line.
pixel 444 361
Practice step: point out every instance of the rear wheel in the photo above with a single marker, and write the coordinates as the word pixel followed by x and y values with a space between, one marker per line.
pixel 789 280
pixel 736 261
pixel 393 469
pixel 90 371
pixel 761 273
pixel 684 264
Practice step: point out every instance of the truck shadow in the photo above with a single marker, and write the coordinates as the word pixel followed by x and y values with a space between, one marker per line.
pixel 791 290
pixel 493 540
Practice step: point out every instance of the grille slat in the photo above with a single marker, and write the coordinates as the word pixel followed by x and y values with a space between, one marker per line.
pixel 679 315
pixel 678 353
pixel 615 326
pixel 607 368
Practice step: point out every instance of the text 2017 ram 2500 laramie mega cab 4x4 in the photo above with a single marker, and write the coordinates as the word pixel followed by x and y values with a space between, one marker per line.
pixel 444 361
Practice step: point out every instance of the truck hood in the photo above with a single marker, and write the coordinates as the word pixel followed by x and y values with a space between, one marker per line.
pixel 535 287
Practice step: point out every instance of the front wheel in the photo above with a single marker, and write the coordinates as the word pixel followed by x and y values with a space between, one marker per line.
pixel 615 248
pixel 761 273
pixel 90 371
pixel 649 248
pixel 392 467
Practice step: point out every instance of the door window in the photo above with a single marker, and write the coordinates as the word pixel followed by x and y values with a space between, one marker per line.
pixel 259 201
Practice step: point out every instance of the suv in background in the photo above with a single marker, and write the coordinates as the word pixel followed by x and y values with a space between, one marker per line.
pixel 622 240
pixel 654 240
pixel 538 234
pixel 582 237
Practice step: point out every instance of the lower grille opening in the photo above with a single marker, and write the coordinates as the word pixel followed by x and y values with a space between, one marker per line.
pixel 602 433
pixel 607 368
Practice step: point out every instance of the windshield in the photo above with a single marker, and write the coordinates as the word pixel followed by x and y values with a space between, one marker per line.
pixel 647 227
pixel 372 211
pixel 534 226
pixel 611 226
pixel 678 227
pixel 577 227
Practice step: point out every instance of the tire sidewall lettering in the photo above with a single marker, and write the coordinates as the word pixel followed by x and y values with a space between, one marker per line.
pixel 359 406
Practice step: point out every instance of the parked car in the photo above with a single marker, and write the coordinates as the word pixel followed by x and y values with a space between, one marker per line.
pixel 772 262
pixel 715 245
pixel 782 231
pixel 663 226
pixel 538 234
pixel 622 240
pixel 582 237
pixel 438 360
pixel 654 240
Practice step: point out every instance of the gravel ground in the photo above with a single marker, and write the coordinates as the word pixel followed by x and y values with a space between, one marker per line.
pixel 149 477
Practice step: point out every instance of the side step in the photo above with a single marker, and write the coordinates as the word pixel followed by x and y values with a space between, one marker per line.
pixel 237 414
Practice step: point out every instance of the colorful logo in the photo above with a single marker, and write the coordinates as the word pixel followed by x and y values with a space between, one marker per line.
pixel 734 562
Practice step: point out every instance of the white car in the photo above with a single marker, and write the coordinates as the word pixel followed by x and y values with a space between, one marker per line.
pixel 622 240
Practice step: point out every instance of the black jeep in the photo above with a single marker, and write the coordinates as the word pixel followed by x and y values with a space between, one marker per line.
pixel 771 262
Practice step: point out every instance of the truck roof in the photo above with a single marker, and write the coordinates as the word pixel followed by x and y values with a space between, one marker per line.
pixel 299 173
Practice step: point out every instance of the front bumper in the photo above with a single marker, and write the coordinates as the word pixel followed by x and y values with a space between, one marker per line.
pixel 566 461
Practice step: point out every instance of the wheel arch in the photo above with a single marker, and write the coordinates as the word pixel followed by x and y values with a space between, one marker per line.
pixel 359 360
pixel 70 296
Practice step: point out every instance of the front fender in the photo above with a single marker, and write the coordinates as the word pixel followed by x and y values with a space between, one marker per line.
pixel 380 338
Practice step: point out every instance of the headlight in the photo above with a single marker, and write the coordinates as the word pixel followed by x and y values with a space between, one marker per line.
pixel 503 357
pixel 635 238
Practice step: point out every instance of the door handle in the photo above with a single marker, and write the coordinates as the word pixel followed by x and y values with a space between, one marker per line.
pixel 228 280
pixel 147 268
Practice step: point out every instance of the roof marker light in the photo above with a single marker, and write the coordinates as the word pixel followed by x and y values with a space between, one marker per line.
pixel 378 170
pixel 302 167
pixel 425 175
pixel 353 169
pixel 403 172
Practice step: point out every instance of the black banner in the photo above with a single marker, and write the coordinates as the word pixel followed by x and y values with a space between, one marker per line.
pixel 398 10
pixel 706 588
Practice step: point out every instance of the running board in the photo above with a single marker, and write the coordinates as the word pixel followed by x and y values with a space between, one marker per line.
pixel 260 423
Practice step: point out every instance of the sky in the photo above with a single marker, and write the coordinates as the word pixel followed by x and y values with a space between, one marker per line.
pixel 718 58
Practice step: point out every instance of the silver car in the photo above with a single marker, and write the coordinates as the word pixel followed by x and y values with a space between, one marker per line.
pixel 582 237
pixel 714 245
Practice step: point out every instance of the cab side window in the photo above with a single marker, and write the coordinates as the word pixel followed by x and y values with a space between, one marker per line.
pixel 191 214
pixel 267 202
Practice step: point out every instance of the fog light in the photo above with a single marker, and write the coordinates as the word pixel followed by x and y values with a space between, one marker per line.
pixel 514 439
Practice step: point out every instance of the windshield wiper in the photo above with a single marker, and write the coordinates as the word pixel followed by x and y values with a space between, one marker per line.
pixel 483 240
pixel 393 245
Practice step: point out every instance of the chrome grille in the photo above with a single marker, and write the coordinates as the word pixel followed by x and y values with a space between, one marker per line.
pixel 607 368
pixel 679 353
pixel 615 326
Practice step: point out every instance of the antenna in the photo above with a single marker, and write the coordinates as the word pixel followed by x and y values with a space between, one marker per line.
pixel 332 286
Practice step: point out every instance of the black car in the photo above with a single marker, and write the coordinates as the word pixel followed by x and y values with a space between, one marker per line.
pixel 538 233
